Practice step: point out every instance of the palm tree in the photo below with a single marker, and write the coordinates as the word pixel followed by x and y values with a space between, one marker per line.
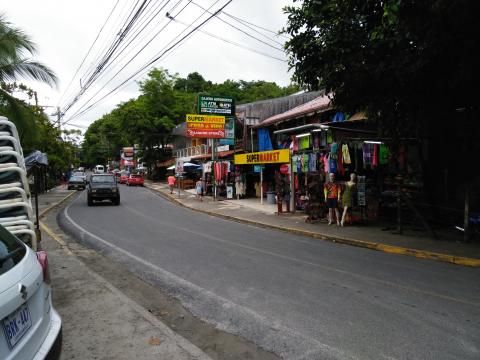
pixel 15 62
pixel 15 48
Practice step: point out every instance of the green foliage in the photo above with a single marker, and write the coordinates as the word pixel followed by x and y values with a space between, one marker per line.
pixel 164 101
pixel 406 63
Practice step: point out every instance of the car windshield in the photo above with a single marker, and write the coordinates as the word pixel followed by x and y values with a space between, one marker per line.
pixel 103 179
pixel 76 178
pixel 136 176
pixel 11 250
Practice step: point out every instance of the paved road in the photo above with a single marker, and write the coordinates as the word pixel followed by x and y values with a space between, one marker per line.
pixel 300 297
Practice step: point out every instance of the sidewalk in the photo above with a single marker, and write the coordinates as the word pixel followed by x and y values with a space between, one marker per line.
pixel 98 320
pixel 251 211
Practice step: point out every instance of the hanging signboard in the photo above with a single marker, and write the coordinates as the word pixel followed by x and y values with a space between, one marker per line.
pixel 264 157
pixel 205 126
pixel 223 105
pixel 179 166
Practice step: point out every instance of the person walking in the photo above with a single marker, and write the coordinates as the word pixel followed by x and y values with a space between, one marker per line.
pixel 171 183
pixel 199 189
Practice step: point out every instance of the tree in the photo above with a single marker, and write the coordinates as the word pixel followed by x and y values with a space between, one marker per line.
pixel 15 46
pixel 404 62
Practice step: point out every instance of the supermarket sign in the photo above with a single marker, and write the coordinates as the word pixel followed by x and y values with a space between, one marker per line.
pixel 208 104
pixel 265 157
pixel 205 126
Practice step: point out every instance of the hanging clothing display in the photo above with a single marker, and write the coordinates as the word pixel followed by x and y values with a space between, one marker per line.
pixel 346 155
pixel 332 165
pixel 264 142
pixel 333 150
pixel 340 168
pixel 375 156
pixel 367 154
pixel 383 155
pixel 304 143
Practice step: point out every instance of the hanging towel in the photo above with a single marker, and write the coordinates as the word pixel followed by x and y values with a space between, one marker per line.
pixel 346 155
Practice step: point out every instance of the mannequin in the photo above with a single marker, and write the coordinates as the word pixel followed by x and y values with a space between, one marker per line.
pixel 347 198
pixel 332 196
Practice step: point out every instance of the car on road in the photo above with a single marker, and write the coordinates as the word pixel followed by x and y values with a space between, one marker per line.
pixel 103 187
pixel 99 169
pixel 81 174
pixel 31 328
pixel 123 178
pixel 134 180
pixel 77 183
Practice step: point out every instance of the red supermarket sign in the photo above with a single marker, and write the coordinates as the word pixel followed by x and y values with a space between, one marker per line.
pixel 205 133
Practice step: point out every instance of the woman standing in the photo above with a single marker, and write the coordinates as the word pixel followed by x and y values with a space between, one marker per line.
pixel 199 189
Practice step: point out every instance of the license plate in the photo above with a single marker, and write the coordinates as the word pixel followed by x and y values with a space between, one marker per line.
pixel 16 325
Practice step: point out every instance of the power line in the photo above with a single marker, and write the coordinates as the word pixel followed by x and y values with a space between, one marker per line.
pixel 235 43
pixel 88 52
pixel 154 60
pixel 107 56
pixel 132 58
pixel 257 26
pixel 242 31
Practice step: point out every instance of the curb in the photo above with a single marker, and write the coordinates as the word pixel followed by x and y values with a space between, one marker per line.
pixel 47 209
pixel 391 249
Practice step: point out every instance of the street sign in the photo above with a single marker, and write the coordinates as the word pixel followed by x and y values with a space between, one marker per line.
pixel 206 133
pixel 208 104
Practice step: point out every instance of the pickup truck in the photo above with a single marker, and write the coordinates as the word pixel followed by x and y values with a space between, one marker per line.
pixel 103 187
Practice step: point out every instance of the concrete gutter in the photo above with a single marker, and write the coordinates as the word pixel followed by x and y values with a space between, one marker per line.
pixel 391 249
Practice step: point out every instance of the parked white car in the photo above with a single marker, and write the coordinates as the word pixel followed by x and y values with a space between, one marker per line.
pixel 99 169
pixel 30 326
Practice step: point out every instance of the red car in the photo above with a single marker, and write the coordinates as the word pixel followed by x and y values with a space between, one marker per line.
pixel 135 180
pixel 123 179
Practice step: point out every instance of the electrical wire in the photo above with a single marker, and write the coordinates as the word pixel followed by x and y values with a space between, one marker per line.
pixel 242 31
pixel 152 61
pixel 107 56
pixel 132 58
pixel 88 52
pixel 234 43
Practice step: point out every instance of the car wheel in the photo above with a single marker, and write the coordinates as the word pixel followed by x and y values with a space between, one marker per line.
pixel 89 201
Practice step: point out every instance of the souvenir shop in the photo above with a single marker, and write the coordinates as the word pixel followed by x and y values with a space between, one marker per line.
pixel 319 150
pixel 255 173
pixel 219 178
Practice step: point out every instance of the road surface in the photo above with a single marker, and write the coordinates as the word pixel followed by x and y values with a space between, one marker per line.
pixel 298 297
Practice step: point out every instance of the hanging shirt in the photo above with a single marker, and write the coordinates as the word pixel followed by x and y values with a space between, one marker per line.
pixel 326 163
pixel 340 167
pixel 305 163
pixel 332 164
pixel 346 155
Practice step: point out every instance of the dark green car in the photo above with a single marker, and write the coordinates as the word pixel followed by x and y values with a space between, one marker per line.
pixel 103 187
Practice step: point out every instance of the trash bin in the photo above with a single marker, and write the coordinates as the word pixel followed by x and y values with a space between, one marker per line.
pixel 271 197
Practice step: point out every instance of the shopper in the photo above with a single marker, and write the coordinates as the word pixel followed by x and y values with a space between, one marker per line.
pixel 199 189
pixel 171 183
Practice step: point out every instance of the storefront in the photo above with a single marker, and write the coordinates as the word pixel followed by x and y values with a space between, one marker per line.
pixel 260 172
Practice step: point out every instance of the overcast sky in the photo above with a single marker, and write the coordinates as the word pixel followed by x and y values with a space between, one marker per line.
pixel 64 30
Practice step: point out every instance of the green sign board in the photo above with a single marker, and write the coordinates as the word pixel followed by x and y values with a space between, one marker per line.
pixel 218 105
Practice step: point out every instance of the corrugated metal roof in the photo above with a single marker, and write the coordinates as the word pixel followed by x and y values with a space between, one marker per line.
pixel 320 103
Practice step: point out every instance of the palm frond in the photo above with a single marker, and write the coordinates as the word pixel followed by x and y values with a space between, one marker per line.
pixel 26 68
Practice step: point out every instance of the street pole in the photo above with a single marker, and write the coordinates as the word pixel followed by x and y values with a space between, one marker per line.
pixel 261 184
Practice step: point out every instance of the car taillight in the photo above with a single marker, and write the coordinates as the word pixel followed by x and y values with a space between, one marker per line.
pixel 42 259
